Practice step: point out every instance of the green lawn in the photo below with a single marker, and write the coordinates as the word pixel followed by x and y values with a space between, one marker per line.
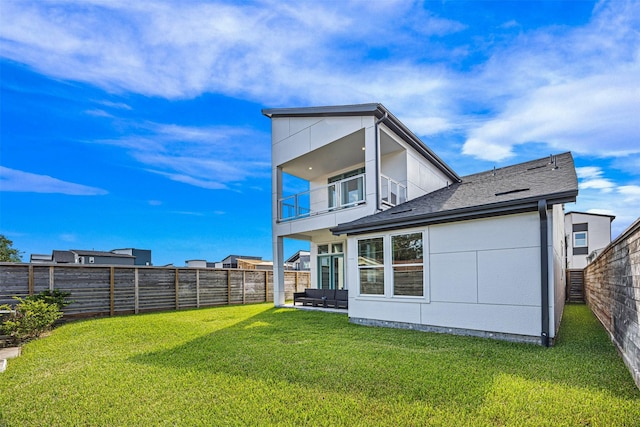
pixel 256 365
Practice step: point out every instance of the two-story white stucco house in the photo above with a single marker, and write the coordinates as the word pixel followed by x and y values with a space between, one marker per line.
pixel 586 234
pixel 416 245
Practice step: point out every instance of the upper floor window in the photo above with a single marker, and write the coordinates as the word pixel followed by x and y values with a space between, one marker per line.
pixel 346 189
pixel 580 239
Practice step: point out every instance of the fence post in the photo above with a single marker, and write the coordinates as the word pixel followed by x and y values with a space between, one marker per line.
pixel 228 287
pixel 296 288
pixel 136 294
pixel 177 294
pixel 266 286
pixel 30 280
pixel 198 288
pixel 244 285
pixel 51 278
pixel 112 288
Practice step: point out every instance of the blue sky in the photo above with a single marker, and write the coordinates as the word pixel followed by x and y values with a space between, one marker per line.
pixel 138 124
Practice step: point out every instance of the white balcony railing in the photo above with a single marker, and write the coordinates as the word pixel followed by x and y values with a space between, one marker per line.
pixel 393 193
pixel 337 195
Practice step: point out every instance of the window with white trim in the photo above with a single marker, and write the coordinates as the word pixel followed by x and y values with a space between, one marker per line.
pixel 407 263
pixel 580 239
pixel 371 266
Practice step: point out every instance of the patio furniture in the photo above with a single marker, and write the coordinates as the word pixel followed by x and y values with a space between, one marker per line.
pixel 322 298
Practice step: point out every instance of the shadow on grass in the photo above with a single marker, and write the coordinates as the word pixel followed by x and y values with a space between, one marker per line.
pixel 325 351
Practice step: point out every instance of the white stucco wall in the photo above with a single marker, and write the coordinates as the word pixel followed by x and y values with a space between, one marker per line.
pixel 481 275
pixel 412 169
pixel 295 137
pixel 599 235
pixel 557 286
pixel 292 137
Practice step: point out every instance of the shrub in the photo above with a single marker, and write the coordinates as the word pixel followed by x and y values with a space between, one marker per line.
pixel 29 319
pixel 56 297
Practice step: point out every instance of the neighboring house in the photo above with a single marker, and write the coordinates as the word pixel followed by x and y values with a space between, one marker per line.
pixel 586 233
pixel 231 261
pixel 416 245
pixel 254 264
pixel 196 263
pixel 63 257
pixel 143 256
pixel 40 259
pixel 300 261
pixel 101 257
pixel 79 256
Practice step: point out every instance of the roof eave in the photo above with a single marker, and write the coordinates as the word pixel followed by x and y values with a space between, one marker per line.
pixel 468 213
pixel 377 110
pixel 325 111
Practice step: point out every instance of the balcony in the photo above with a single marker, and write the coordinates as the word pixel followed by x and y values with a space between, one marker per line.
pixel 341 194
pixel 393 193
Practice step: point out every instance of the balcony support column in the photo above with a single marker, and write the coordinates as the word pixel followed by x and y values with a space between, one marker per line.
pixel 278 271
pixel 376 132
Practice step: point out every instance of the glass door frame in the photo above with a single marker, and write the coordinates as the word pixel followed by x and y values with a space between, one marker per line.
pixel 332 272
pixel 335 256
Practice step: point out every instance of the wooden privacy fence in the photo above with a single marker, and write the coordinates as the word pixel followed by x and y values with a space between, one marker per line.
pixel 109 290
pixel 612 291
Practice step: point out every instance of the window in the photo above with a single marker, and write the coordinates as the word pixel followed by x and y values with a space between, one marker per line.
pixel 580 239
pixel 352 191
pixel 371 266
pixel 346 189
pixel 407 265
pixel 334 248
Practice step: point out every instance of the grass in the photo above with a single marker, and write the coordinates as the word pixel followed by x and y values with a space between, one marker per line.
pixel 257 365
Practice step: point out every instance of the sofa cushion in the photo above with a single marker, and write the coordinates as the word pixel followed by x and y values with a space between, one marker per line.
pixel 342 295
pixel 315 293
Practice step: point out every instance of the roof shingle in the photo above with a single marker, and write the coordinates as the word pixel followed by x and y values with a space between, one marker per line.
pixel 511 189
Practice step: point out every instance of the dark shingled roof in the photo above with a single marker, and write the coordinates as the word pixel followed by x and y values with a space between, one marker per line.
pixel 507 190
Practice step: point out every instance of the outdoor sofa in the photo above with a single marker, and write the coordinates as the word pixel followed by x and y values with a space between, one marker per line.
pixel 336 298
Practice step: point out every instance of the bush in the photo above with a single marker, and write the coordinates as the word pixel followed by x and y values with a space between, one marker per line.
pixel 29 319
pixel 56 297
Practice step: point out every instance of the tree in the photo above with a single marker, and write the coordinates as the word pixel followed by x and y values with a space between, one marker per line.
pixel 7 252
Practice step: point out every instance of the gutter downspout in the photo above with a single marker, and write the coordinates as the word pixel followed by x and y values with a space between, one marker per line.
pixel 544 272
pixel 378 167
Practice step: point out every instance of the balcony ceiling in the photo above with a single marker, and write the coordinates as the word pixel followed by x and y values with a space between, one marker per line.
pixel 340 154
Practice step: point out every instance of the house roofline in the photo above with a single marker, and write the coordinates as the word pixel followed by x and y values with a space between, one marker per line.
pixel 82 252
pixel 462 214
pixel 612 217
pixel 377 110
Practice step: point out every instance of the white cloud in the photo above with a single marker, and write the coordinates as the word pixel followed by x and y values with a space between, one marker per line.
pixel 583 115
pixel 575 90
pixel 587 172
pixel 572 89
pixel 272 51
pixel 591 178
pixel 600 194
pixel 631 193
pixel 25 182
pixel 207 157
pixel 68 237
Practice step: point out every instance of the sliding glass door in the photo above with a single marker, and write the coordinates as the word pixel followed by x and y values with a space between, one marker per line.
pixel 331 271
